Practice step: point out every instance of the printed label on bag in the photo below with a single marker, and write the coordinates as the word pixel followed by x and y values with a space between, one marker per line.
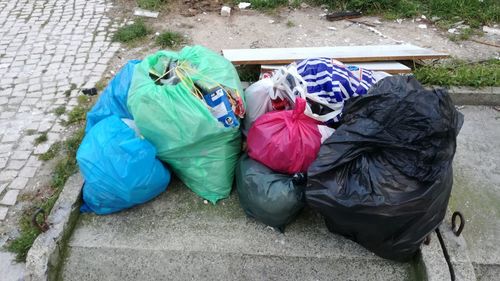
pixel 217 94
pixel 219 110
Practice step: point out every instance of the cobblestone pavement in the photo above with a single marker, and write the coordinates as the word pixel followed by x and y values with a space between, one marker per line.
pixel 49 49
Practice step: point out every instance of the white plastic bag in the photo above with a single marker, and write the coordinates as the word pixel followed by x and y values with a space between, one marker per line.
pixel 258 101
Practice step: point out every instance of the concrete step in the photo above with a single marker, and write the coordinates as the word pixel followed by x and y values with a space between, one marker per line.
pixel 178 237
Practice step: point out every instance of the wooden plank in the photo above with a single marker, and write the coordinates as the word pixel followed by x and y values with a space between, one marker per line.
pixel 341 53
pixel 391 67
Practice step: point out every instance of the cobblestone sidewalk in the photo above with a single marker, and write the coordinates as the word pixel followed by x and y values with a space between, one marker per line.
pixel 48 50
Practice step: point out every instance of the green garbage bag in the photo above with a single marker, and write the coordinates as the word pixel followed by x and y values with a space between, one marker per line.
pixel 199 149
pixel 272 198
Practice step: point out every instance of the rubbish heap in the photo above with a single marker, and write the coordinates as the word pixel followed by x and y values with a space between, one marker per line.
pixel 372 153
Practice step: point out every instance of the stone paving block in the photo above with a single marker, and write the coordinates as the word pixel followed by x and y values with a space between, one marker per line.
pixel 28 172
pixel 6 147
pixel 32 125
pixel 3 162
pixel 16 164
pixel 3 213
pixel 3 186
pixel 7 114
pixel 33 161
pixel 10 137
pixel 8 175
pixel 21 155
pixel 19 183
pixel 41 148
pixel 9 198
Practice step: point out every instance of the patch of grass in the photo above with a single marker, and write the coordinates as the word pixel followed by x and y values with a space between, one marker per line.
pixel 150 4
pixel 474 13
pixel 22 244
pixel 132 32
pixel 41 138
pixel 52 152
pixel 290 23
pixel 83 100
pixel 77 115
pixel 170 39
pixel 464 34
pixel 267 4
pixel 30 132
pixel 60 110
pixel 67 165
pixel 460 73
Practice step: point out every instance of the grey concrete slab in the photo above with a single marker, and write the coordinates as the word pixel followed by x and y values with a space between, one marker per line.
pixel 178 237
pixel 476 190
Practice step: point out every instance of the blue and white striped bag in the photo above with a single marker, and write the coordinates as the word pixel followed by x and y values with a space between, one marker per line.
pixel 329 83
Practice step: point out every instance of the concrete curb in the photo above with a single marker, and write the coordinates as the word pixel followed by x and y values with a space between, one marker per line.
pixel 457 250
pixel 431 263
pixel 489 96
pixel 44 257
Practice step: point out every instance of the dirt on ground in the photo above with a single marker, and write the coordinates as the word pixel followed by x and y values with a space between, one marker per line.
pixel 288 27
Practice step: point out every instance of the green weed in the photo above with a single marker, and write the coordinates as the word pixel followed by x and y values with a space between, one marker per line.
pixel 460 73
pixel 290 24
pixel 77 115
pixel 267 4
pixel 101 84
pixel 30 132
pixel 52 152
pixel 465 34
pixel 60 110
pixel 132 32
pixel 41 138
pixel 21 245
pixel 169 39
pixel 474 13
pixel 150 4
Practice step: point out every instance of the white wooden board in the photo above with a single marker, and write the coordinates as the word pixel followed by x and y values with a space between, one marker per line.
pixel 341 53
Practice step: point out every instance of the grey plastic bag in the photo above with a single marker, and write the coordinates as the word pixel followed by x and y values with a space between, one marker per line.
pixel 272 198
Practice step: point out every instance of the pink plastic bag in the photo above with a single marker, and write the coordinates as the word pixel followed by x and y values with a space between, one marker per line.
pixel 285 141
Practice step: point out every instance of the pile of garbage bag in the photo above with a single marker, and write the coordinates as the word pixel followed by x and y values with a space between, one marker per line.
pixel 372 153
pixel 381 176
pixel 290 113
pixel 178 111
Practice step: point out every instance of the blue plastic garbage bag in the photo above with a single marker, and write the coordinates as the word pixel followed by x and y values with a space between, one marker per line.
pixel 113 100
pixel 120 169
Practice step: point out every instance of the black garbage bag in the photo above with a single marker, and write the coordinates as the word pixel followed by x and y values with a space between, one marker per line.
pixel 272 198
pixel 383 179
